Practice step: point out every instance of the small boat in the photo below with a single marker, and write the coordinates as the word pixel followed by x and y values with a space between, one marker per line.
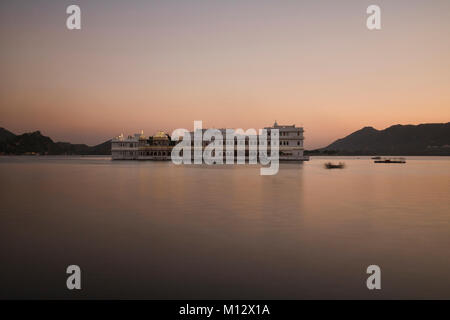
pixel 376 158
pixel 391 160
pixel 330 165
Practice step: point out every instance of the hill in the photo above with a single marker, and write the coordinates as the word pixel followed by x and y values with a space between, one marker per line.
pixel 35 142
pixel 422 139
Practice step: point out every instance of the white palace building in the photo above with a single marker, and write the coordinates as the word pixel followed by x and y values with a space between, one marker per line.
pixel 159 146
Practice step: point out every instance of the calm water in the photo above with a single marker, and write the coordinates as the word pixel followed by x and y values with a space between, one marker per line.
pixel 156 230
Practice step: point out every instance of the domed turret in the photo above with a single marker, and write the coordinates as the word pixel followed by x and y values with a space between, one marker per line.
pixel 160 135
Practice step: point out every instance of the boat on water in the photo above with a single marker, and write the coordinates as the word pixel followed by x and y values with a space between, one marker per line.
pixel 330 165
pixel 391 160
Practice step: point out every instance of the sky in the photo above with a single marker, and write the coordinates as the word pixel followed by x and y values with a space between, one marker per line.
pixel 160 65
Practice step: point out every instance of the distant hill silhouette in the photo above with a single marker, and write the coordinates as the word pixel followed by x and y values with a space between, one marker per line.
pixel 35 142
pixel 422 139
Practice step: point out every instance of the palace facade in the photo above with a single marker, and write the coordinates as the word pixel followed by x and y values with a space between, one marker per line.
pixel 159 146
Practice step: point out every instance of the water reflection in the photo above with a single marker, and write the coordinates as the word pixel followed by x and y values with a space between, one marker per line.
pixel 156 230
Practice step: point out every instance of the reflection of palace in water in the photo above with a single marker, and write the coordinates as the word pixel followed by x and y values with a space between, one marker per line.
pixel 159 146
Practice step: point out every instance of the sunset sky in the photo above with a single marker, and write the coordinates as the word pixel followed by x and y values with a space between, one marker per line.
pixel 160 65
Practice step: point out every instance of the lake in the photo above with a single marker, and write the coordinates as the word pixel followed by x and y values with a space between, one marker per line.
pixel 154 230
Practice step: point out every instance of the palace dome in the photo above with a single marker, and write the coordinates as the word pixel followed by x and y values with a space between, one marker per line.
pixel 160 135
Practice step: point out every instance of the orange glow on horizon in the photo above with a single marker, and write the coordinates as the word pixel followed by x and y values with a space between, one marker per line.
pixel 159 67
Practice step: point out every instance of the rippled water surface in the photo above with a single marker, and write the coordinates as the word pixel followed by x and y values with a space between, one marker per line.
pixel 156 230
